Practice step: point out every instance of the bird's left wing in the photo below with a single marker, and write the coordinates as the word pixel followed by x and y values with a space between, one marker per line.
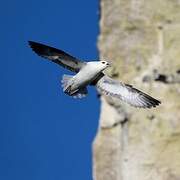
pixel 58 56
pixel 125 92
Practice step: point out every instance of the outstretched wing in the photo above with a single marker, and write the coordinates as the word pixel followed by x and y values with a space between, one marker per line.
pixel 126 92
pixel 58 56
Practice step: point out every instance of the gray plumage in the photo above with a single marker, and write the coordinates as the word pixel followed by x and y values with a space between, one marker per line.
pixel 126 93
pixel 58 56
pixel 91 73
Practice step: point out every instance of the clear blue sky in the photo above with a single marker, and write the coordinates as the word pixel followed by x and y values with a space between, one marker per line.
pixel 44 134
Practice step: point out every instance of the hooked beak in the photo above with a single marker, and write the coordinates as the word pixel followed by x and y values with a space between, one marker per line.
pixel 109 64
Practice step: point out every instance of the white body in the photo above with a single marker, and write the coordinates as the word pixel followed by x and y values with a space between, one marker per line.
pixel 87 74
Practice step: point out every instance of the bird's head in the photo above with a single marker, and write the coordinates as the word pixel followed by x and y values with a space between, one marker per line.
pixel 99 65
pixel 104 64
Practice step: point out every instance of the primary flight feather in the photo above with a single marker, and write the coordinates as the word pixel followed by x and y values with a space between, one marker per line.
pixel 91 73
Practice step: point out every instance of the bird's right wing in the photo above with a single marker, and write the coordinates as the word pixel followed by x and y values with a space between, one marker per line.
pixel 58 56
pixel 125 92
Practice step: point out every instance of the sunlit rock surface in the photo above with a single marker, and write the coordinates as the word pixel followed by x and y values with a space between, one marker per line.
pixel 142 39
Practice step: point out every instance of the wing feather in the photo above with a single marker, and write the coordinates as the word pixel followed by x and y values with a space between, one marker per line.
pixel 126 92
pixel 58 56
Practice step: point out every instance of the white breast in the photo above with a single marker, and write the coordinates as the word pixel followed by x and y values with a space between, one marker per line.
pixel 87 74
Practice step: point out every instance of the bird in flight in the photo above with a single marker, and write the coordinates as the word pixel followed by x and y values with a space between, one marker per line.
pixel 91 73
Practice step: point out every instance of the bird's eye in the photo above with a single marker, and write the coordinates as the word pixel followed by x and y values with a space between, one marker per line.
pixel 103 62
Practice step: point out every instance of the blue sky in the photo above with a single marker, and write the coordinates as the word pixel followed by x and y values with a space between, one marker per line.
pixel 44 134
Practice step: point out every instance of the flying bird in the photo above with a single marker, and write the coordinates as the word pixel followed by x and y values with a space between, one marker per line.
pixel 92 73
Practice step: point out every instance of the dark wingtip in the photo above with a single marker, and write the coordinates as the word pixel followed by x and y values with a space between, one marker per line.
pixel 29 42
pixel 37 47
pixel 44 50
pixel 32 44
pixel 150 101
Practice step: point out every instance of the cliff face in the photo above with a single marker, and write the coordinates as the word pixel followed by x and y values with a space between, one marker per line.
pixel 142 40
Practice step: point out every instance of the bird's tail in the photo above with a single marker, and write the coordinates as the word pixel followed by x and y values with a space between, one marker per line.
pixel 80 93
pixel 66 84
pixel 66 81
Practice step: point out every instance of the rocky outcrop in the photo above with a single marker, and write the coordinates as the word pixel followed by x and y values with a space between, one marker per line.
pixel 142 40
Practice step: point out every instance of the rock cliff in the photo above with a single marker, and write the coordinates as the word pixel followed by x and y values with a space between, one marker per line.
pixel 142 40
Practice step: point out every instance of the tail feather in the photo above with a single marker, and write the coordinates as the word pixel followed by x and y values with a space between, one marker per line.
pixel 65 81
pixel 81 93
pixel 66 85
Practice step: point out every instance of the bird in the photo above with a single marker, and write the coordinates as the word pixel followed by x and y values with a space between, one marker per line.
pixel 92 73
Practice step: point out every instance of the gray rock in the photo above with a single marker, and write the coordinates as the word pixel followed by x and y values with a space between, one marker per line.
pixel 134 144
